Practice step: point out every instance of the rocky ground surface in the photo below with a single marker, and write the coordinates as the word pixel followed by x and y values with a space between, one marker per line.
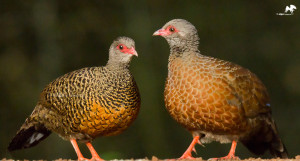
pixel 297 158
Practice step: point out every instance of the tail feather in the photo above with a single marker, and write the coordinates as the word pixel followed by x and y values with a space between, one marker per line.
pixel 28 136
pixel 266 138
pixel 281 153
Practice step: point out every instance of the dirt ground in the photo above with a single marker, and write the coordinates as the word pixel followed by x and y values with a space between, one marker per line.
pixel 297 158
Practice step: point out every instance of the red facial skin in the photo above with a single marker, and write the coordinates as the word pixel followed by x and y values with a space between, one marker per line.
pixel 127 50
pixel 165 32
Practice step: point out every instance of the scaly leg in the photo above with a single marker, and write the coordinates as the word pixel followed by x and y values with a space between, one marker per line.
pixel 188 153
pixel 77 150
pixel 95 155
pixel 230 154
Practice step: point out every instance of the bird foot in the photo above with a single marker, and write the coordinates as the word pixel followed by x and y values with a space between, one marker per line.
pixel 96 159
pixel 231 157
pixel 82 159
pixel 188 153
pixel 187 156
pixel 92 159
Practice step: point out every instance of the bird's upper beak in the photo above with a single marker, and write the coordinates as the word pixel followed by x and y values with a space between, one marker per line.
pixel 132 51
pixel 160 32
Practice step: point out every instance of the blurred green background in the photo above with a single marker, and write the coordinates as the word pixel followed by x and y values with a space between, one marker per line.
pixel 41 40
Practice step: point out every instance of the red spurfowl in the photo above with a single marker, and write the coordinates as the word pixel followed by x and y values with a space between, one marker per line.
pixel 86 103
pixel 216 100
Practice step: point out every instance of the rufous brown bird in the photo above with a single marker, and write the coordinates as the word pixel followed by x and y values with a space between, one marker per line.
pixel 216 100
pixel 86 103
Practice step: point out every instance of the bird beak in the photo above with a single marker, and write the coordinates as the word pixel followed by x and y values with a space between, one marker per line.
pixel 160 32
pixel 132 51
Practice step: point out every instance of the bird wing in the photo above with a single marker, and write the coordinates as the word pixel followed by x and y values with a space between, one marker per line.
pixel 248 89
pixel 69 92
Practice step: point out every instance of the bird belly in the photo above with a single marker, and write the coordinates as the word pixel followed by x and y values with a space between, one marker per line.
pixel 198 107
pixel 104 121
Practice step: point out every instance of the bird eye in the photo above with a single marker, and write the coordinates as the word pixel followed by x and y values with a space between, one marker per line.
pixel 172 29
pixel 121 47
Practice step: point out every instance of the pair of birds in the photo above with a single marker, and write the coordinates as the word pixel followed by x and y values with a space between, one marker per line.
pixel 214 99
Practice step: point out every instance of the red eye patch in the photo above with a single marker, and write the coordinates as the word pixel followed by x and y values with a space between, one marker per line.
pixel 124 49
pixel 167 31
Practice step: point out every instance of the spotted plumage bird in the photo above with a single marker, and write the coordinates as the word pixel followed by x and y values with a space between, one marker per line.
pixel 86 103
pixel 216 100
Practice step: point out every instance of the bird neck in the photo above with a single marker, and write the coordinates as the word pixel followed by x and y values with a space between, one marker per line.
pixel 187 55
pixel 180 45
pixel 117 66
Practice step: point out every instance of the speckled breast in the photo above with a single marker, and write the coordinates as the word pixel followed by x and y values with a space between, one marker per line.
pixel 200 101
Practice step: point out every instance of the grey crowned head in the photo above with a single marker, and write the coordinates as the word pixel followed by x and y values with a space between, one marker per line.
pixel 179 33
pixel 121 51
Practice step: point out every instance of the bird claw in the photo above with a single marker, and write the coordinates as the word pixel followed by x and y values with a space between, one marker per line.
pixel 231 157
pixel 83 159
pixel 96 159
pixel 92 159
pixel 187 157
pixel 199 142
pixel 194 150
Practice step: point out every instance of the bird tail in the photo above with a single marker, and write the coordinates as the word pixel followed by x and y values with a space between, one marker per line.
pixel 29 135
pixel 266 138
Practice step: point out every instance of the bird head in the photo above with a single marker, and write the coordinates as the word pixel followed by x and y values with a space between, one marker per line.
pixel 122 50
pixel 179 33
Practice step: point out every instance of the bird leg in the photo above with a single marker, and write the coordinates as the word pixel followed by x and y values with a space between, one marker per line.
pixel 95 155
pixel 188 153
pixel 230 154
pixel 77 150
